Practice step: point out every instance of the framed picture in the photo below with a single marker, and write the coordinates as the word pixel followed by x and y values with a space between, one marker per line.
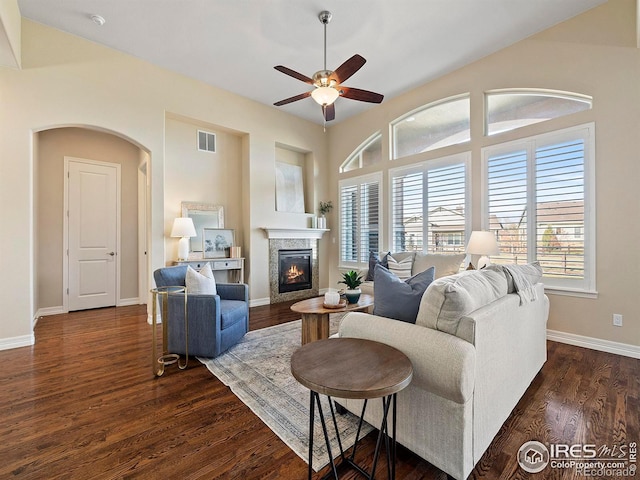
pixel 217 242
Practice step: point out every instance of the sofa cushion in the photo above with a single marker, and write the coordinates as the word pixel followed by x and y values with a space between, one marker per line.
pixel 398 299
pixel 402 268
pixel 375 259
pixel 201 282
pixel 446 264
pixel 450 298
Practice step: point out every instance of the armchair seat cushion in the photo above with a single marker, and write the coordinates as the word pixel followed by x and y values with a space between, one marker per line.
pixel 232 312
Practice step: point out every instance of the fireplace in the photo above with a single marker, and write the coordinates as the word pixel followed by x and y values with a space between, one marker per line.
pixel 294 270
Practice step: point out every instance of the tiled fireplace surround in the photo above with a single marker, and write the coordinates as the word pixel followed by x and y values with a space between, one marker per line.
pixel 292 239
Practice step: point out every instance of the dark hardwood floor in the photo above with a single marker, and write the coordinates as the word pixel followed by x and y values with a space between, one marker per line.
pixel 82 403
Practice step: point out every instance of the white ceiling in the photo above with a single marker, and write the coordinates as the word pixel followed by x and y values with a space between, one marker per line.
pixel 234 44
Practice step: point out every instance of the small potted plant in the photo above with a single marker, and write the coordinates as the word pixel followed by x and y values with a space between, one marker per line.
pixel 352 280
pixel 325 207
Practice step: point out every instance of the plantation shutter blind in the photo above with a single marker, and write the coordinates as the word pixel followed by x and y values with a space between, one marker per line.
pixel 407 205
pixel 507 205
pixel 359 221
pixel 446 200
pixel 348 223
pixel 560 195
pixel 536 205
pixel 428 208
pixel 369 220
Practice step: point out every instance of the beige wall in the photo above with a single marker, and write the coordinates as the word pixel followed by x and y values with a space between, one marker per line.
pixel 202 177
pixel 595 54
pixel 54 145
pixel 66 81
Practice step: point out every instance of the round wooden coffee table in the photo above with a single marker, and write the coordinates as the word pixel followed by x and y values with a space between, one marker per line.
pixel 352 368
pixel 315 316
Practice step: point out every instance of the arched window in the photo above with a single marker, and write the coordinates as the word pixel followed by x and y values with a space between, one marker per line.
pixel 368 153
pixel 436 125
pixel 514 108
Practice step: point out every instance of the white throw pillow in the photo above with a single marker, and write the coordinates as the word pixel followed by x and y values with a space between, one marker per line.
pixel 202 282
pixel 402 268
pixel 446 264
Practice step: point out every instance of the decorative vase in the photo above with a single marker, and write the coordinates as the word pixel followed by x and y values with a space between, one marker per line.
pixel 353 295
pixel 322 222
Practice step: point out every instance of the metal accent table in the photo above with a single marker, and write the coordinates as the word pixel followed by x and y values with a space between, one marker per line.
pixel 353 368
pixel 158 362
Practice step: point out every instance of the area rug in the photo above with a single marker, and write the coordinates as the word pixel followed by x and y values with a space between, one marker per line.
pixel 258 371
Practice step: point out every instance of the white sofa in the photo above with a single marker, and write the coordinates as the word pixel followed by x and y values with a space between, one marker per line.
pixel 475 350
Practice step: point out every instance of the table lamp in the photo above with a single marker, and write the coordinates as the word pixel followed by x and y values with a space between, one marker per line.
pixel 183 227
pixel 484 244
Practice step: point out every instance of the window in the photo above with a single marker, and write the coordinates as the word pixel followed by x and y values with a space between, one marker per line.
pixel 433 126
pixel 359 219
pixel 539 203
pixel 369 153
pixel 510 109
pixel 429 206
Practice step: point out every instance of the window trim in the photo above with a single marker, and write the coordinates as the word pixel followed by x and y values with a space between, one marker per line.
pixel 573 287
pixel 359 180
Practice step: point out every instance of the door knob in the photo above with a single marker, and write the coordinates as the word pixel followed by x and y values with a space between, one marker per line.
pixel 111 253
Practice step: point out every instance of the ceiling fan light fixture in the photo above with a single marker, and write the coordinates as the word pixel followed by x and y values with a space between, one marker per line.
pixel 325 95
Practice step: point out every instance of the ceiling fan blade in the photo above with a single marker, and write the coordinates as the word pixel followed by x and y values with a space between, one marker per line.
pixel 348 68
pixel 292 99
pixel 294 74
pixel 329 112
pixel 360 95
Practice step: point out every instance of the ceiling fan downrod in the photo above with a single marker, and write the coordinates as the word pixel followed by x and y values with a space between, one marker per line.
pixel 325 18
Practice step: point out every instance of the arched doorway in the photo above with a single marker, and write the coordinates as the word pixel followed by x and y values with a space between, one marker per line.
pixel 51 146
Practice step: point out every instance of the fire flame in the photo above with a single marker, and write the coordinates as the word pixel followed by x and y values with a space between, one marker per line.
pixel 294 273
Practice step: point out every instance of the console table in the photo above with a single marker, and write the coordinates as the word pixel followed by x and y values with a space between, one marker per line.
pixel 235 266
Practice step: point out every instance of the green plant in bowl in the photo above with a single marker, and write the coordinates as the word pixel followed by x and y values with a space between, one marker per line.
pixel 352 280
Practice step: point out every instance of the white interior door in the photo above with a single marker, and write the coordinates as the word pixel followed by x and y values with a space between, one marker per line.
pixel 93 204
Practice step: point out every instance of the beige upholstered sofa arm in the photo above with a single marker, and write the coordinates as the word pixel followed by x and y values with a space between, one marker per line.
pixel 442 364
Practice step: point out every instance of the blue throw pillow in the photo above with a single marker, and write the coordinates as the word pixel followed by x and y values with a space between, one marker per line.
pixel 374 259
pixel 399 299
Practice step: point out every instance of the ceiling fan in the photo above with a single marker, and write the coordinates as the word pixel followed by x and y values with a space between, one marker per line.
pixel 328 84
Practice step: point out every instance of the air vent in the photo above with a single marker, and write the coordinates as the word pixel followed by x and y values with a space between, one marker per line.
pixel 206 141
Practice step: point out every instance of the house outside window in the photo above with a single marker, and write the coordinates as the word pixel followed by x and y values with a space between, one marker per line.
pixel 360 219
pixel 538 200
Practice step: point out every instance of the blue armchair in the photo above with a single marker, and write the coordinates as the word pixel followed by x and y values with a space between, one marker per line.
pixel 216 322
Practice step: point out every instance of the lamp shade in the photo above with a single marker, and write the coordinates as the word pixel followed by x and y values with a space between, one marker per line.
pixel 482 243
pixel 325 95
pixel 183 227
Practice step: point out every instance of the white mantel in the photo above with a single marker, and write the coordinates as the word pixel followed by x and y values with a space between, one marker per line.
pixel 313 233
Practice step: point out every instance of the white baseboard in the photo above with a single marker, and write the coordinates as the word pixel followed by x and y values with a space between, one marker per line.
pixel 608 346
pixel 258 302
pixel 125 302
pixel 15 342
pixel 43 312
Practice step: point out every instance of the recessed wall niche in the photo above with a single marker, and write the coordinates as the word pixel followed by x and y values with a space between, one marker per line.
pixel 294 180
